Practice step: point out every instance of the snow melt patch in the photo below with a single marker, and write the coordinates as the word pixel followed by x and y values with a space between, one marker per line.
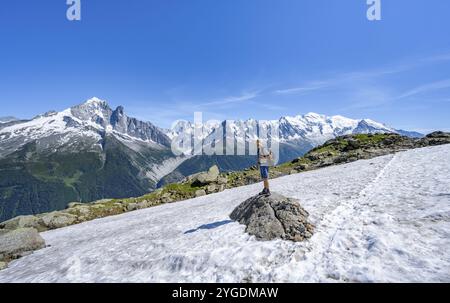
pixel 380 220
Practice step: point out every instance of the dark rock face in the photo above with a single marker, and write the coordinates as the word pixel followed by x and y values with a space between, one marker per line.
pixel 274 217
pixel 436 138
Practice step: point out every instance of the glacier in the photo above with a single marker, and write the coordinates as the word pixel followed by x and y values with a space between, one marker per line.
pixel 381 220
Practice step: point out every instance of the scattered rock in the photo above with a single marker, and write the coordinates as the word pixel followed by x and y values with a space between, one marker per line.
pixel 132 206
pixel 200 193
pixel 3 265
pixel 24 222
pixel 222 187
pixel 302 167
pixel 13 244
pixel 142 205
pixel 222 180
pixel 58 219
pixel 211 189
pixel 74 204
pixel 274 217
pixel 352 144
pixel 83 210
pixel 206 178
pixel 340 159
pixel 293 172
pixel 295 161
pixel 167 198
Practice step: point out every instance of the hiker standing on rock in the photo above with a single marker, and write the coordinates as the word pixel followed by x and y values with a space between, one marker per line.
pixel 265 158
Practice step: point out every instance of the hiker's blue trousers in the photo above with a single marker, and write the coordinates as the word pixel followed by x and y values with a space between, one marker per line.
pixel 264 172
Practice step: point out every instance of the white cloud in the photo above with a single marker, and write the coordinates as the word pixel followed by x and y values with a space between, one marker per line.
pixel 313 86
pixel 438 85
pixel 233 99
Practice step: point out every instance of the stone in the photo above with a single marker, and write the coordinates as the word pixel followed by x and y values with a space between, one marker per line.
pixel 132 206
pixel 207 177
pixel 144 204
pixel 17 242
pixel 23 222
pixel 74 204
pixel 83 210
pixel 295 161
pixel 167 198
pixel 58 219
pixel 352 144
pixel 302 167
pixel 222 180
pixel 200 193
pixel 274 217
pixel 340 159
pixel 3 265
pixel 211 189
pixel 293 172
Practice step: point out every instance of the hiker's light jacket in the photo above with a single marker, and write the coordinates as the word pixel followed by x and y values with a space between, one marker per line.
pixel 264 156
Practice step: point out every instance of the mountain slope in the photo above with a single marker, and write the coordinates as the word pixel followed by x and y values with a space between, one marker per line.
pixel 378 220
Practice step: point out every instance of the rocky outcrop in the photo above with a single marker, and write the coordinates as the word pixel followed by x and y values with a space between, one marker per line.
pixel 436 138
pixel 17 243
pixel 24 222
pixel 351 148
pixel 274 217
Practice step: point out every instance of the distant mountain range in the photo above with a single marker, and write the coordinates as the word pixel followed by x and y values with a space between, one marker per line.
pixel 90 151
pixel 7 119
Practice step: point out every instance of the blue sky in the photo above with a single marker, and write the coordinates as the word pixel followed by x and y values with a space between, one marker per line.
pixel 235 59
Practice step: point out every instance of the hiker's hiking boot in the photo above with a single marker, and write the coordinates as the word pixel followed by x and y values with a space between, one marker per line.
pixel 265 192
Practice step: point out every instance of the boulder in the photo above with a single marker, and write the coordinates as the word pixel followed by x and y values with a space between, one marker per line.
pixel 208 177
pixel 132 206
pixel 23 222
pixel 222 180
pixel 3 265
pixel 15 243
pixel 200 193
pixel 143 204
pixel 211 188
pixel 58 219
pixel 274 217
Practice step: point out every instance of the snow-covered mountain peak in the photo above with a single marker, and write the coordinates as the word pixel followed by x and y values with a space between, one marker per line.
pixel 310 128
pixel 96 102
pixel 314 116
pixel 92 119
